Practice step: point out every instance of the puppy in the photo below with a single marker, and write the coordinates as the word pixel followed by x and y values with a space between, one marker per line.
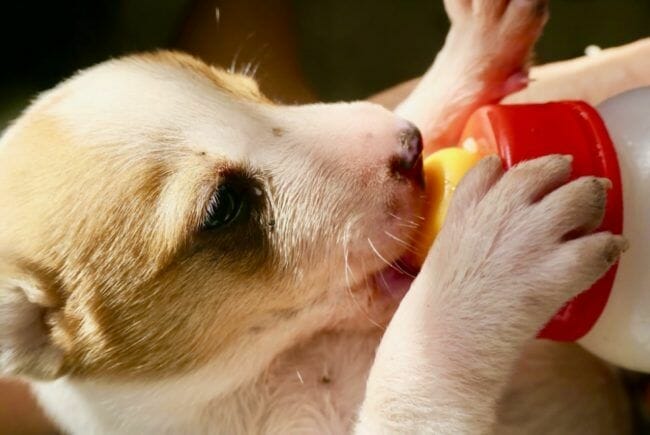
pixel 180 255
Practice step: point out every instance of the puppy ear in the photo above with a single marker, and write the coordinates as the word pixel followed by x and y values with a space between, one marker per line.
pixel 26 348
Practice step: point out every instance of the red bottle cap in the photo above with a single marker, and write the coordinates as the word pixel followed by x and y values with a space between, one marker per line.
pixel 523 132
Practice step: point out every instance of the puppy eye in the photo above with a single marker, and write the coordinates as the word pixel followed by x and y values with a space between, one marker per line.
pixel 226 206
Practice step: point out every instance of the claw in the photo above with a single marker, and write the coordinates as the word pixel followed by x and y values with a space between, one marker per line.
pixel 515 82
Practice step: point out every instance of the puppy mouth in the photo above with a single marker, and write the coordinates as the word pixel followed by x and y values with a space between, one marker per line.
pixel 395 280
pixel 399 272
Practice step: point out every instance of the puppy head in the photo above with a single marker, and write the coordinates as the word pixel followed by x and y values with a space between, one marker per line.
pixel 159 214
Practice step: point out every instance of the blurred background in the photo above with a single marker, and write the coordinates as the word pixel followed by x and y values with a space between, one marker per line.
pixel 302 50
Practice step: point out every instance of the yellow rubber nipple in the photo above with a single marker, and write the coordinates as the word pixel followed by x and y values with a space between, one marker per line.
pixel 443 170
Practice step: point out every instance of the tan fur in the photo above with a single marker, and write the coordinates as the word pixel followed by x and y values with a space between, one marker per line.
pixel 237 85
pixel 127 239
pixel 88 327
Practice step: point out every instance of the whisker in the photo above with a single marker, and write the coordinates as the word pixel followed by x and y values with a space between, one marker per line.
pixel 367 284
pixel 412 239
pixel 402 263
pixel 408 246
pixel 397 239
pixel 253 71
pixel 413 222
pixel 262 53
pixel 233 65
pixel 412 225
pixel 247 68
pixel 254 64
pixel 403 222
pixel 348 272
pixel 391 265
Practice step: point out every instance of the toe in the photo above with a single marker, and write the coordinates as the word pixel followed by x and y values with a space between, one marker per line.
pixel 576 208
pixel 491 9
pixel 531 180
pixel 586 259
pixel 525 16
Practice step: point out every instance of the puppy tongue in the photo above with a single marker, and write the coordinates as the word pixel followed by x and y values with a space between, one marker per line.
pixel 395 281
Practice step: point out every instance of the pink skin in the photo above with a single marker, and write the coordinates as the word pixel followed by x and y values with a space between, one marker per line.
pixel 516 82
pixel 393 282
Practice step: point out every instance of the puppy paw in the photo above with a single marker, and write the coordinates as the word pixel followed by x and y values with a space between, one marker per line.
pixel 499 35
pixel 502 13
pixel 514 247
pixel 520 244
pixel 485 58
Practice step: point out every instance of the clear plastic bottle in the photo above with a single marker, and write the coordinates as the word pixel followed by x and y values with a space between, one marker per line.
pixel 621 334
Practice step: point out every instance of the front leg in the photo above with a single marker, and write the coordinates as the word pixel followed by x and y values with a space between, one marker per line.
pixel 558 389
pixel 500 267
pixel 485 57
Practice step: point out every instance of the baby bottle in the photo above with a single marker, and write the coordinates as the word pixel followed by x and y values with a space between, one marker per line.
pixel 612 318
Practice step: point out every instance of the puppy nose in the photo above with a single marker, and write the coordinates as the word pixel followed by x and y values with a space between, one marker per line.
pixel 407 162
